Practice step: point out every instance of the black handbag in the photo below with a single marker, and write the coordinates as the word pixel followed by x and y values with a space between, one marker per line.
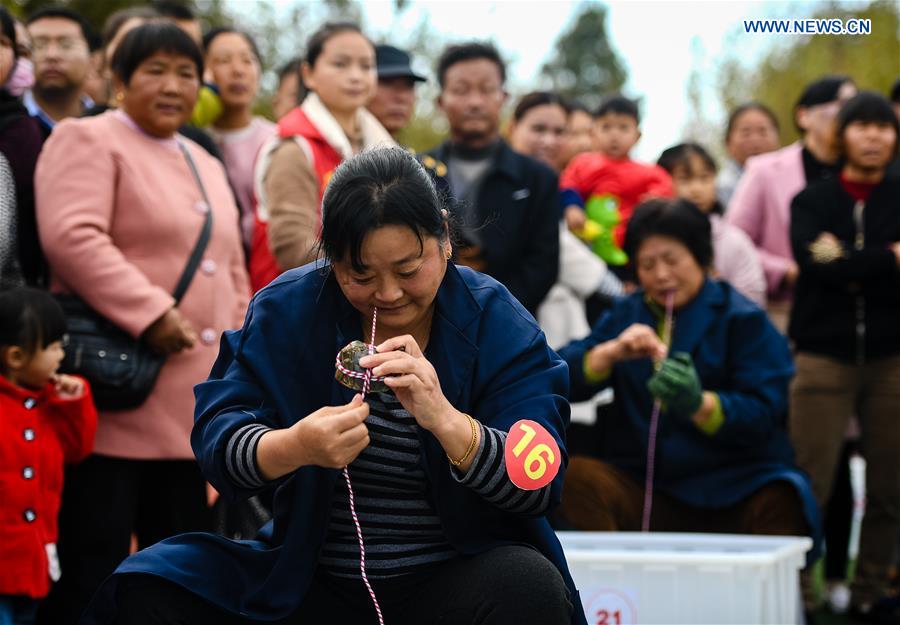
pixel 121 369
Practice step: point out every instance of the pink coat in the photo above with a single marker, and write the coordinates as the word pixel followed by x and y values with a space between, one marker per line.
pixel 118 215
pixel 761 207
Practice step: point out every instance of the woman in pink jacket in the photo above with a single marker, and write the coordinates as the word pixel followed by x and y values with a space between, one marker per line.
pixel 119 213
pixel 761 204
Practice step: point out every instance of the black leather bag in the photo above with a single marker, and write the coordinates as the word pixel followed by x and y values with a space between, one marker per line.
pixel 121 369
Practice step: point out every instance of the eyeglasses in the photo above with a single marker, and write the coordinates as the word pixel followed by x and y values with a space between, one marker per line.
pixel 66 45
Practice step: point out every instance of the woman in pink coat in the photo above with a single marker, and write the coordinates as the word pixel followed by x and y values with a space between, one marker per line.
pixel 119 213
pixel 761 204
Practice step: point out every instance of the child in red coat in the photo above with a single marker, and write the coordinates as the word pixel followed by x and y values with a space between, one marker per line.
pixel 46 420
pixel 610 172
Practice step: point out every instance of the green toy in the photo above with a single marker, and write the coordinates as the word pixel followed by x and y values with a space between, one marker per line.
pixel 208 107
pixel 602 218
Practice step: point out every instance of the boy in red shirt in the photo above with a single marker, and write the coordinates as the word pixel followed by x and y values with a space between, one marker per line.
pixel 46 420
pixel 610 172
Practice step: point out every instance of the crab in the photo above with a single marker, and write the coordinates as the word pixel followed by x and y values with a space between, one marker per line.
pixel 349 359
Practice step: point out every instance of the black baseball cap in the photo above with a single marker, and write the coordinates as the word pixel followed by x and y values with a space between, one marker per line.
pixel 393 62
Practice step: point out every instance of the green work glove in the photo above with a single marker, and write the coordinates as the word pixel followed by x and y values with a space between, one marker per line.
pixel 677 385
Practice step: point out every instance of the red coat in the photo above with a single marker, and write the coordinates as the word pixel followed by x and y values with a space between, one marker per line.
pixel 39 432
pixel 263 266
pixel 628 181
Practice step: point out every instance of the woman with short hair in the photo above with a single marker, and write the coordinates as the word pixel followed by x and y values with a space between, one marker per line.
pixel 723 461
pixel 119 214
pixel 845 233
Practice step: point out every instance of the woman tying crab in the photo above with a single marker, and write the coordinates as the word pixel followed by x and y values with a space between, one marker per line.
pixel 722 459
pixel 449 537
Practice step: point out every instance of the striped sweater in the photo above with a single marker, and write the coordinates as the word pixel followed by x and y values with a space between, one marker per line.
pixel 400 525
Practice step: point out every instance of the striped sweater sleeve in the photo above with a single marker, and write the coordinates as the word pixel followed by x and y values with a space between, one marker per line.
pixel 487 476
pixel 240 456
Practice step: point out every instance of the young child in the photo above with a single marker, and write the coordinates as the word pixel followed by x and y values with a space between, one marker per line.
pixel 611 172
pixel 46 420
pixel 693 173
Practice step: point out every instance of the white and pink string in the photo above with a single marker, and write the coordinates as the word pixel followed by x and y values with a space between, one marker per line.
pixel 367 379
pixel 654 423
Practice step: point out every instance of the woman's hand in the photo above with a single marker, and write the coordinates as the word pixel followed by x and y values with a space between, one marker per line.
pixel 67 387
pixel 640 341
pixel 415 382
pixel 171 333
pixel 636 341
pixel 895 248
pixel 331 437
pixel 412 378
pixel 677 385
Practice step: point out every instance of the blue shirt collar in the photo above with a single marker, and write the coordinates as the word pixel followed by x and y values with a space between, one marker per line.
pixel 35 110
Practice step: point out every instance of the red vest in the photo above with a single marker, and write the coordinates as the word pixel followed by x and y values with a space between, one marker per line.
pixel 263 266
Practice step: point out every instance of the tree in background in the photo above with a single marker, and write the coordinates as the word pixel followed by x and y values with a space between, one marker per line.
pixel 873 61
pixel 585 66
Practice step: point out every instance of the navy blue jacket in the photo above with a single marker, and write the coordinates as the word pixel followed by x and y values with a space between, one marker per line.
pixel 493 363
pixel 740 356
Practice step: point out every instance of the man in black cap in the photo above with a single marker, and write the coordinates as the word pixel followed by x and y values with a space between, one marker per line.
pixel 395 98
pixel 761 204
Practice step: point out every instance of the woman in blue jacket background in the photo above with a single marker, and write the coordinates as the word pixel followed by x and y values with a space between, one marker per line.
pixel 723 461
pixel 449 537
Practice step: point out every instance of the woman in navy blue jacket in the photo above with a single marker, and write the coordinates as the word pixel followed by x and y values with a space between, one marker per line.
pixel 449 537
pixel 723 460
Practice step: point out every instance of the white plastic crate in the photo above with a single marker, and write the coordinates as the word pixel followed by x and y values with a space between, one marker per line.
pixel 626 578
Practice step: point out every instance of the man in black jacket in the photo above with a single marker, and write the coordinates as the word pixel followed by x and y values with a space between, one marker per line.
pixel 505 203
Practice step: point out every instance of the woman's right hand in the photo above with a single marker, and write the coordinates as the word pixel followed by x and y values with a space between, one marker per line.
pixel 331 437
pixel 171 333
pixel 636 341
pixel 640 341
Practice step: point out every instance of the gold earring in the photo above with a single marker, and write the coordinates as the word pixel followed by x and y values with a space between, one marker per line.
pixel 120 96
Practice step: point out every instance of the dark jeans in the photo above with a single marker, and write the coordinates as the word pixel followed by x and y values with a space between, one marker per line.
pixel 599 497
pixel 513 584
pixel 105 501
